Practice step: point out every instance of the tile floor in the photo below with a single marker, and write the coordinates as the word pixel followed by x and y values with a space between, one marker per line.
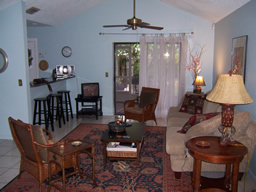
pixel 10 157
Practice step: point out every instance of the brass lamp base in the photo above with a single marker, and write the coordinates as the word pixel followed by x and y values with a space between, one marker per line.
pixel 197 89
pixel 227 133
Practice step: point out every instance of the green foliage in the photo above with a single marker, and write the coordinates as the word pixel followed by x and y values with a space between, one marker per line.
pixel 124 55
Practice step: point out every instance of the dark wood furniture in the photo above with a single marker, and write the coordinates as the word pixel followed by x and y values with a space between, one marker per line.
pixel 90 99
pixel 57 110
pixel 33 147
pixel 135 132
pixel 57 156
pixel 42 113
pixel 67 102
pixel 93 109
pixel 208 149
pixel 146 105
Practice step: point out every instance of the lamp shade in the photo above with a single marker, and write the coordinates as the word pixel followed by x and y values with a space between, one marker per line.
pixel 199 81
pixel 230 89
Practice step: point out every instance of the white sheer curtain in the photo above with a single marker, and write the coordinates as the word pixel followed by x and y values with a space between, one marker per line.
pixel 162 65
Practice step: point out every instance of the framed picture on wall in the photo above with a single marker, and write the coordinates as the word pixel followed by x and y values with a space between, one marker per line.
pixel 238 55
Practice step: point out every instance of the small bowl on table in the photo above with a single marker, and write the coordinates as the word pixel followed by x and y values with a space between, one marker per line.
pixel 117 126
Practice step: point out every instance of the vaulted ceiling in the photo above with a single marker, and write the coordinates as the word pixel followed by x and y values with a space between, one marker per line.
pixel 53 12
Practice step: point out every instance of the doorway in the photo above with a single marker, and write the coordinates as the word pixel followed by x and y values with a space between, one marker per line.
pixel 32 59
pixel 126 74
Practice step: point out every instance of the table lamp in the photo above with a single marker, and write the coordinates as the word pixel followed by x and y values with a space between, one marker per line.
pixel 229 91
pixel 199 81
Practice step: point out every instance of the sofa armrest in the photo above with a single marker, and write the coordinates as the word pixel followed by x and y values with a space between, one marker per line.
pixel 172 110
pixel 207 127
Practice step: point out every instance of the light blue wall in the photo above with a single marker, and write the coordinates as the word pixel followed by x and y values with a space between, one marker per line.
pixel 14 100
pixel 239 23
pixel 93 53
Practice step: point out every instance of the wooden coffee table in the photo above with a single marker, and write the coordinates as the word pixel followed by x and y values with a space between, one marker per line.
pixel 135 134
pixel 208 148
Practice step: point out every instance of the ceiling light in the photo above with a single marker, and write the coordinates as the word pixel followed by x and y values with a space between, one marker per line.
pixel 32 10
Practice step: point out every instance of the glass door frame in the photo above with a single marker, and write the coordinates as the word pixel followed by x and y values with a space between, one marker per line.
pixel 121 45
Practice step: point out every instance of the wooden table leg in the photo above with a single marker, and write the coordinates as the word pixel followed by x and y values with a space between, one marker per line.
pixel 101 107
pixel 227 176
pixel 93 165
pixel 138 153
pixel 193 173
pixel 63 174
pixel 76 109
pixel 197 176
pixel 235 176
pixel 104 152
pixel 96 110
pixel 78 170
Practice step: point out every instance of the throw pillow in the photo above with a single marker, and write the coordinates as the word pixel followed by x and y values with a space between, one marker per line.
pixel 204 128
pixel 40 138
pixel 193 104
pixel 195 119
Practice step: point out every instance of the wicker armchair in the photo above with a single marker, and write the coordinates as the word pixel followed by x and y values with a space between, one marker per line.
pixel 142 108
pixel 33 145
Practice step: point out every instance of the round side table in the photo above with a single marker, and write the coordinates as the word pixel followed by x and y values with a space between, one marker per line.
pixel 208 149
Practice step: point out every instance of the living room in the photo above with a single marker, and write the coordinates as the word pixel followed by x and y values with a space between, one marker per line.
pixel 93 53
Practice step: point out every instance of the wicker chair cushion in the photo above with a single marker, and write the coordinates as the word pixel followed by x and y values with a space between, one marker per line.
pixel 147 97
pixel 40 138
pixel 135 110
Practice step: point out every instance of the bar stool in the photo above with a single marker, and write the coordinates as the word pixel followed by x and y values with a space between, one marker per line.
pixel 66 100
pixel 58 108
pixel 45 111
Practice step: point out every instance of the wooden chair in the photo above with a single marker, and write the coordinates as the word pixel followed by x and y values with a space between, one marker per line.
pixel 33 145
pixel 146 105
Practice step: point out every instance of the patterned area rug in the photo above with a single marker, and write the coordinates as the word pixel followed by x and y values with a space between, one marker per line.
pixel 154 173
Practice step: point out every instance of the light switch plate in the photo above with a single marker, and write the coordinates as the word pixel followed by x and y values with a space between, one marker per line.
pixel 20 82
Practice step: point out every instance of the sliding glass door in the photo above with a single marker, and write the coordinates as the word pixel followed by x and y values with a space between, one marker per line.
pixel 126 74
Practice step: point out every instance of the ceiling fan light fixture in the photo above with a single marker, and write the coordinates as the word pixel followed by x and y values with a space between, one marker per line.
pixel 133 21
pixel 32 10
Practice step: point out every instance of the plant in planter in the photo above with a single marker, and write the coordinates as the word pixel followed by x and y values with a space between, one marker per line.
pixel 195 66
pixel 195 62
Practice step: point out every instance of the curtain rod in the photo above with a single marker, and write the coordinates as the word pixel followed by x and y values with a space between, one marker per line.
pixel 188 33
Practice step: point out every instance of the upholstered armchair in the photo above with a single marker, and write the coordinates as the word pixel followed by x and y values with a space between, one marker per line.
pixel 142 108
pixel 33 145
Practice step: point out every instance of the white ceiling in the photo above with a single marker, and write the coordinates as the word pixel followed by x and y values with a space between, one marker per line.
pixel 211 10
pixel 54 12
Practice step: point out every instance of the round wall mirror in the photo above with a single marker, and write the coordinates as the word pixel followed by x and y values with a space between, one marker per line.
pixel 3 60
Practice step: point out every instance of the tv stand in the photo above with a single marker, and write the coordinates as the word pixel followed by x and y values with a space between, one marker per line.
pixel 90 109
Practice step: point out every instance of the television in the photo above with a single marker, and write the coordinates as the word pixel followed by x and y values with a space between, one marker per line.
pixel 63 71
pixel 90 89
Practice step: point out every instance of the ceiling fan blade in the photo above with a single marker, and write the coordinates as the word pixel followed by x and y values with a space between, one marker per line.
pixel 150 27
pixel 115 25
pixel 129 27
pixel 143 23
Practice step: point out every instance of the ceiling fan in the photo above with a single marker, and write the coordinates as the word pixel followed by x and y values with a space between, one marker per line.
pixel 134 23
